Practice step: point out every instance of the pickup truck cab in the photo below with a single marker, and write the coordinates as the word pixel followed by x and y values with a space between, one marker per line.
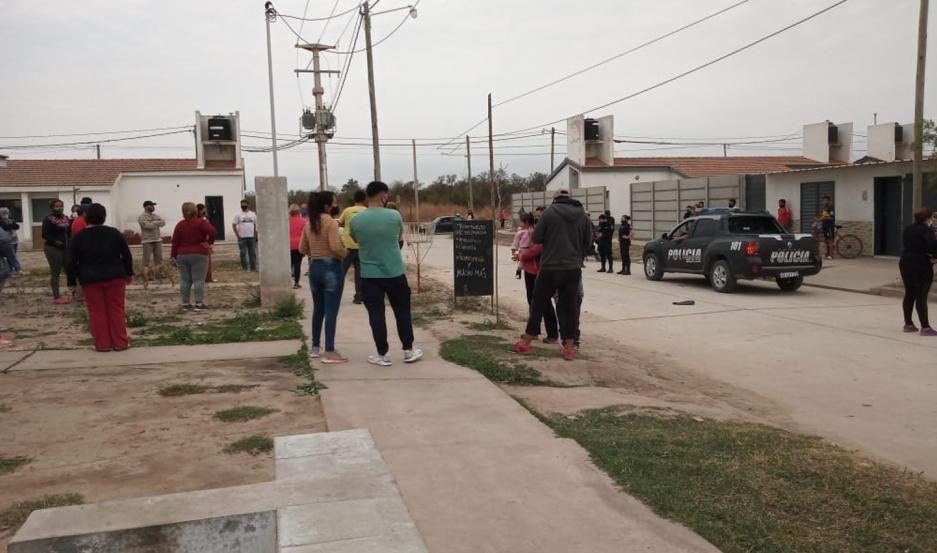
pixel 727 245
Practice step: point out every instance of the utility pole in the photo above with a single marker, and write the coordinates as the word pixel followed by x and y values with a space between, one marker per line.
pixel 875 118
pixel 97 150
pixel 323 117
pixel 416 184
pixel 494 233
pixel 468 161
pixel 725 150
pixel 375 140
pixel 271 15
pixel 917 185
pixel 552 145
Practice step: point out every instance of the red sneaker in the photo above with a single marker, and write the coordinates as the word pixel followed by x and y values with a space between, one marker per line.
pixel 521 347
pixel 61 300
pixel 569 353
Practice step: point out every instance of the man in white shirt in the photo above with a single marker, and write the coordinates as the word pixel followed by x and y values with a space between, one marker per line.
pixel 245 228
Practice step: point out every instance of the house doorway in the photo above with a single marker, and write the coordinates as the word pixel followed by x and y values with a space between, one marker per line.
pixel 888 215
pixel 214 205
pixel 810 194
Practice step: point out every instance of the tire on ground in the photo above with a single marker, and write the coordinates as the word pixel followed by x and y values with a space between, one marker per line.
pixel 721 277
pixel 652 268
pixel 790 284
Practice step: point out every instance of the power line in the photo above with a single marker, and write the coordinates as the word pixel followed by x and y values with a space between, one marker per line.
pixel 607 60
pixel 327 21
pixel 93 133
pixel 347 66
pixel 353 51
pixel 698 67
pixel 304 18
pixel 89 142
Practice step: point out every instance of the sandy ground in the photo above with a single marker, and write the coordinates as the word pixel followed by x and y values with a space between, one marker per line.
pixel 108 434
pixel 823 362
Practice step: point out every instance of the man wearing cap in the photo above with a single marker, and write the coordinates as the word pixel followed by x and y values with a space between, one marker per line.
pixel 150 223
pixel 565 232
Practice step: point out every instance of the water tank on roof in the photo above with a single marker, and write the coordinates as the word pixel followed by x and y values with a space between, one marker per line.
pixel 591 129
pixel 219 128
pixel 833 134
pixel 899 134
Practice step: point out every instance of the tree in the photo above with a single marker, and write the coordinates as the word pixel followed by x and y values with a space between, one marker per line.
pixel 929 136
pixel 347 194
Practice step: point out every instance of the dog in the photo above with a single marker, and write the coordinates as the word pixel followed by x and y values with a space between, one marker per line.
pixel 158 273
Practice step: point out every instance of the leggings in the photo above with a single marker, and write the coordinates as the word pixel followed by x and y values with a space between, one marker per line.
pixel 918 275
pixel 605 255
pixel 56 258
pixel 296 263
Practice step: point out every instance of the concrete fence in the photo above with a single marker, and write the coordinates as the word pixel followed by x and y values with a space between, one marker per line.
pixel 658 206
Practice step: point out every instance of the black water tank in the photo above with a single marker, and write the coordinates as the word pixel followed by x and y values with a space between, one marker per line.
pixel 591 129
pixel 899 134
pixel 833 135
pixel 219 128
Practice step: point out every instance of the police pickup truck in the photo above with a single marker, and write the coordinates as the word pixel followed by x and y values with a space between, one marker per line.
pixel 727 245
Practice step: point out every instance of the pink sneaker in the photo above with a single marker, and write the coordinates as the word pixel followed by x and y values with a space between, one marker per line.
pixel 909 328
pixel 60 300
pixel 521 347
pixel 928 331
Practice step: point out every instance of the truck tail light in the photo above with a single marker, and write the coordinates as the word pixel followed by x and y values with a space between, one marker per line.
pixel 751 248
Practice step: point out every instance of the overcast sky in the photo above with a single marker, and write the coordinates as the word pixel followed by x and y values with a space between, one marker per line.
pixel 99 65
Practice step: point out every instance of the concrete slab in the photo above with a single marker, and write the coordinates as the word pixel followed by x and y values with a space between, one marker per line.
pixel 8 359
pixel 379 519
pixel 73 359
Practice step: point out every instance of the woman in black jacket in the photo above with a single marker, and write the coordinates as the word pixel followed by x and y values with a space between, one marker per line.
pixel 100 258
pixel 917 270
pixel 56 229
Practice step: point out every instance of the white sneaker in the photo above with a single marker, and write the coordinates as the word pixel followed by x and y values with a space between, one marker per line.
pixel 315 352
pixel 382 360
pixel 411 355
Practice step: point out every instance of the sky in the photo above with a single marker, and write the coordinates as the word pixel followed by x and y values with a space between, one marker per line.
pixel 98 65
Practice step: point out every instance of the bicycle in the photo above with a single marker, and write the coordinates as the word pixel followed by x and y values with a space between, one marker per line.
pixel 848 246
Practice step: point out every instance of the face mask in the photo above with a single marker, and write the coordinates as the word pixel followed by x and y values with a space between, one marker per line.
pixel 244 207
pixel 57 211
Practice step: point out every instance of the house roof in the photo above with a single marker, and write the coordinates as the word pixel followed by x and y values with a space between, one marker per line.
pixel 90 172
pixel 710 166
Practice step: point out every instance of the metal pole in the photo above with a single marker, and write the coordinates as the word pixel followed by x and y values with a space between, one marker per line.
pixel 917 186
pixel 97 150
pixel 375 141
pixel 270 15
pixel 321 138
pixel 552 145
pixel 725 150
pixel 416 185
pixel 468 161
pixel 494 234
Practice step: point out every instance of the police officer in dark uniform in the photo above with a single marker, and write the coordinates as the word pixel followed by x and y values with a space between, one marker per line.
pixel 625 234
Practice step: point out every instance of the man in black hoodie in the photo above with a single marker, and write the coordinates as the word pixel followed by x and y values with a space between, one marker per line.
pixel 565 232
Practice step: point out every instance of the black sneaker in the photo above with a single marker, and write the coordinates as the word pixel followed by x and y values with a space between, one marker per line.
pixel 200 307
pixel 602 270
pixel 186 307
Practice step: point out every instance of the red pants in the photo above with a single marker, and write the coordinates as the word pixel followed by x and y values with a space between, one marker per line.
pixel 105 301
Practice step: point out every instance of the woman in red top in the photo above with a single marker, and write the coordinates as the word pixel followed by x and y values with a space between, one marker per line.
pixel 297 222
pixel 191 242
pixel 528 255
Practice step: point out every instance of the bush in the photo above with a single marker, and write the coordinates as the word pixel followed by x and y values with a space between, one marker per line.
pixel 290 308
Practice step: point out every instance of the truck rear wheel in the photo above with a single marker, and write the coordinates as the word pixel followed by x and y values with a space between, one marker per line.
pixel 790 284
pixel 721 277
pixel 652 269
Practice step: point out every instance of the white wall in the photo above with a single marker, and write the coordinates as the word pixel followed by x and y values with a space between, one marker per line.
pixel 617 182
pixel 170 191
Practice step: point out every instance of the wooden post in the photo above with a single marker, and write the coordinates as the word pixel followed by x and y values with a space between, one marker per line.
pixel 917 186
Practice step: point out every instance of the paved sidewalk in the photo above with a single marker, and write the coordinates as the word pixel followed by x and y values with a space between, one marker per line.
pixel 478 473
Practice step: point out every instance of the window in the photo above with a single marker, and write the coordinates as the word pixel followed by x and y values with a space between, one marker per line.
pixel 706 228
pixel 754 225
pixel 15 207
pixel 683 231
pixel 41 208
pixel 754 192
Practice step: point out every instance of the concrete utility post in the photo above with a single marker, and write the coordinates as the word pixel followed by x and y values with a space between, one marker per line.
pixel 375 140
pixel 323 115
pixel 917 186
pixel 491 160
pixel 416 184
pixel 273 231
pixel 468 161
pixel 552 146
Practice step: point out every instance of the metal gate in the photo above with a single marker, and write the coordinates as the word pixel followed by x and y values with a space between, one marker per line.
pixel 657 207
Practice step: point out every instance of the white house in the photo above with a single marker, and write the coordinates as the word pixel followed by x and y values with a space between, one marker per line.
pixel 591 162
pixel 214 177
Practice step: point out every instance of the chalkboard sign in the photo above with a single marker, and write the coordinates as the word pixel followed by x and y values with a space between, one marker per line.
pixel 473 262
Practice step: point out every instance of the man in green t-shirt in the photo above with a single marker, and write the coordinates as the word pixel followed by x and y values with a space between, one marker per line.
pixel 377 231
pixel 352 259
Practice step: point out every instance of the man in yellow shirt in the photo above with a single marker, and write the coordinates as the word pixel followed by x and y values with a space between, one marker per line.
pixel 344 221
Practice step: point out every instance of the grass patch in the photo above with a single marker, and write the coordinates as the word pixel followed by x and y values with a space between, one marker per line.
pixel 489 355
pixel 135 319
pixel 4 408
pixel 176 390
pixel 488 325
pixel 243 413
pixel 301 366
pixel 425 317
pixel 16 515
pixel 290 308
pixel 252 299
pixel 242 327
pixel 10 464
pixel 747 487
pixel 254 445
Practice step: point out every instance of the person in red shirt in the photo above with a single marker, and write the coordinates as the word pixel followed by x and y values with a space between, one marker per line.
pixel 191 243
pixel 502 217
pixel 297 222
pixel 784 214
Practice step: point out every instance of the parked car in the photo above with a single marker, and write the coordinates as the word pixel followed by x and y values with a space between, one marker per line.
pixel 726 246
pixel 444 224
